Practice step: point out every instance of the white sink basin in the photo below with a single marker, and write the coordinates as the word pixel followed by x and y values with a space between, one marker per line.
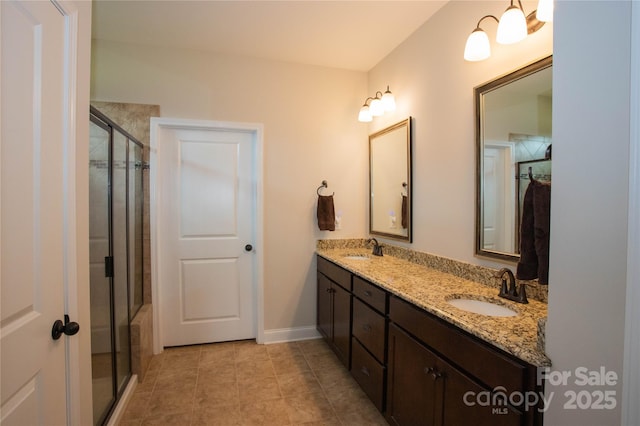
pixel 483 308
pixel 357 257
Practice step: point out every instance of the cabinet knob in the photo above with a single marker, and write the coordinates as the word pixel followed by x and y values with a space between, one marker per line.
pixel 365 371
pixel 368 293
pixel 433 372
pixel 366 327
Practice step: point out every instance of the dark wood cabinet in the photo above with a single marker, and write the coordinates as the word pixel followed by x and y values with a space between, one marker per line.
pixel 342 324
pixel 449 377
pixel 425 389
pixel 411 391
pixel 334 308
pixel 417 368
pixel 369 342
pixel 369 373
pixel 369 329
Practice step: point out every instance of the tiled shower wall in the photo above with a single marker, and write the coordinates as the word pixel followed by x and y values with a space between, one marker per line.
pixel 135 119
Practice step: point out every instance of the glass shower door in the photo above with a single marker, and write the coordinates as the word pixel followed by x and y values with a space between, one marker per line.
pixel 135 228
pixel 115 232
pixel 102 362
pixel 122 341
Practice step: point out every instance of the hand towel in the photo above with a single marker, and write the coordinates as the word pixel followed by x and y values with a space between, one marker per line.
pixel 541 224
pixel 405 212
pixel 534 233
pixel 527 268
pixel 326 214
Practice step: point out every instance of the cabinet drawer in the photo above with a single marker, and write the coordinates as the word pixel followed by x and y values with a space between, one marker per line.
pixel 369 328
pixel 369 374
pixel 489 365
pixel 335 273
pixel 371 294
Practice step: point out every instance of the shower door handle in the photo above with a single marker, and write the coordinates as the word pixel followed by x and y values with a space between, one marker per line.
pixel 68 327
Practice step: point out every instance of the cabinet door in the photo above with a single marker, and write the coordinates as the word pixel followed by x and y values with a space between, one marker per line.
pixel 342 323
pixel 324 307
pixel 466 402
pixel 412 391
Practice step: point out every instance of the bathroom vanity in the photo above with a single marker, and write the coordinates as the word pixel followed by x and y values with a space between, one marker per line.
pixel 420 359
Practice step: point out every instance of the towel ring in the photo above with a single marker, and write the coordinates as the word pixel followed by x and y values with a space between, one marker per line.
pixel 404 185
pixel 324 185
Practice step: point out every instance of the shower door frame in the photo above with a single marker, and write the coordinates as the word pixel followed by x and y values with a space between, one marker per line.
pixel 108 125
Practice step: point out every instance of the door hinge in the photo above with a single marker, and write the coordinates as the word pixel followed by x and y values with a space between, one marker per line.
pixel 108 266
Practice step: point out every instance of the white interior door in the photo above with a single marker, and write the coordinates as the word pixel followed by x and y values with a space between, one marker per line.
pixel 206 218
pixel 32 213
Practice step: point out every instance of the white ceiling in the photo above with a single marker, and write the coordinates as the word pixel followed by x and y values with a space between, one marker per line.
pixel 352 34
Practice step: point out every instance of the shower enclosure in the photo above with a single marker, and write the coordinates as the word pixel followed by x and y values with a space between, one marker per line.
pixel 115 253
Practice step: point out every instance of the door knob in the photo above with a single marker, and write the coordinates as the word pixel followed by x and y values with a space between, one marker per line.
pixel 248 247
pixel 68 328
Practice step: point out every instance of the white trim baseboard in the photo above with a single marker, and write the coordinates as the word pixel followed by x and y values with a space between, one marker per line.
pixel 280 335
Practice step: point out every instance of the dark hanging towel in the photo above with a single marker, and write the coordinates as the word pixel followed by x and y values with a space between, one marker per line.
pixel 534 233
pixel 405 212
pixel 326 214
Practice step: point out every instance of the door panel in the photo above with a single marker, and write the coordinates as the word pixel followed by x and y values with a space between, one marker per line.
pixel 208 208
pixel 33 389
pixel 204 293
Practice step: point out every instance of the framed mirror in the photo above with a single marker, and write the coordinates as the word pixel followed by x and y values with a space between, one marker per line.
pixel 513 142
pixel 390 182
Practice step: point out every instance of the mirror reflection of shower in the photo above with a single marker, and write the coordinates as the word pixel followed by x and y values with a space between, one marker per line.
pixel 513 126
pixel 115 253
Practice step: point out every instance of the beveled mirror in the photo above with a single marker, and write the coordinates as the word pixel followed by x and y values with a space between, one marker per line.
pixel 390 182
pixel 513 141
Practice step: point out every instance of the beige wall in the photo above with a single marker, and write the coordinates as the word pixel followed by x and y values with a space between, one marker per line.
pixel 434 84
pixel 311 133
pixel 588 269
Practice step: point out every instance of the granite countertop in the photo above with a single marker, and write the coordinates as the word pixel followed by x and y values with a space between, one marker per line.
pixel 430 289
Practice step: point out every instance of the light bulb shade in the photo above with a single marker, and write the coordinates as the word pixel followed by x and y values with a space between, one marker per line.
pixel 376 108
pixel 512 27
pixel 477 47
pixel 365 114
pixel 388 101
pixel 545 11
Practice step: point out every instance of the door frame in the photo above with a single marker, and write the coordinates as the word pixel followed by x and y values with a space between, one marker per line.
pixel 631 368
pixel 77 64
pixel 256 129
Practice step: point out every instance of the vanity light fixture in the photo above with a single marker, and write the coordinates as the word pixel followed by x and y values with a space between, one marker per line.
pixel 378 105
pixel 545 11
pixel 513 27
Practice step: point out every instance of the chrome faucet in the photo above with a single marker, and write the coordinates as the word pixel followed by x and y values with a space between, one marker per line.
pixel 509 291
pixel 377 248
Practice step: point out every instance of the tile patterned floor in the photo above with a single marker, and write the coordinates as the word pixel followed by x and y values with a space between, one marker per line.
pixel 242 383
